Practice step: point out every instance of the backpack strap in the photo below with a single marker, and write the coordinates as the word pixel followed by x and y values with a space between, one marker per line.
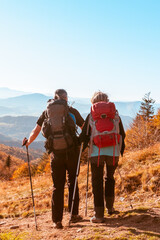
pixel 90 124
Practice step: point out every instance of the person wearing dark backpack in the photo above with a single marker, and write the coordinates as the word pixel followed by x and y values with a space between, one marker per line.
pixel 103 131
pixel 58 124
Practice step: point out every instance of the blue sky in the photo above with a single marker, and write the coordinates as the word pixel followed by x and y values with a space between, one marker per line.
pixel 82 46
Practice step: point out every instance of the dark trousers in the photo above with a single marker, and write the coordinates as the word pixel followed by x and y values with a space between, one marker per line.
pixel 97 183
pixel 60 164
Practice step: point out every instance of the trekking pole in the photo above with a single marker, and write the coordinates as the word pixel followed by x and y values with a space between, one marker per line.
pixel 124 187
pixel 87 187
pixel 75 184
pixel 29 170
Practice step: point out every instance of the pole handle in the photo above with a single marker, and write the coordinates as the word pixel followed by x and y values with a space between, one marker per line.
pixel 25 140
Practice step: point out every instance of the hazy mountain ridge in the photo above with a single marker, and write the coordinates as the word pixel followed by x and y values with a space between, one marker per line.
pixel 30 104
pixel 7 92
pixel 34 104
pixel 16 128
pixel 11 142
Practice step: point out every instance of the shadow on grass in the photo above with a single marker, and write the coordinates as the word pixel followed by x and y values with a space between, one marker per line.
pixel 78 224
pixel 150 234
pixel 139 221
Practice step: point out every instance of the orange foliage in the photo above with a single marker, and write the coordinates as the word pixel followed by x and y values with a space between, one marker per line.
pixel 47 168
pixel 143 133
pixel 5 171
pixel 42 166
pixel 22 171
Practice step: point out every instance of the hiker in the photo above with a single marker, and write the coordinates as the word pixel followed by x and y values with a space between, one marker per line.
pixel 63 147
pixel 104 149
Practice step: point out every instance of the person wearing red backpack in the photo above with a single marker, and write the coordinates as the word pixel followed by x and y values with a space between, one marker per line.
pixel 103 131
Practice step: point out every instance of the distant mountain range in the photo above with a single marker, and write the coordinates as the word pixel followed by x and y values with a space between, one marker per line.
pixel 7 93
pixel 34 104
pixel 19 113
pixel 18 127
pixel 12 142
pixel 30 105
pixel 14 129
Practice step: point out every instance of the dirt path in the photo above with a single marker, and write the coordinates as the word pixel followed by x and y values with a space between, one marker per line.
pixel 137 223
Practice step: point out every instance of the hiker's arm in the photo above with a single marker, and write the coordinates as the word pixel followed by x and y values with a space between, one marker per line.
pixel 122 133
pixel 79 118
pixel 33 135
pixel 85 134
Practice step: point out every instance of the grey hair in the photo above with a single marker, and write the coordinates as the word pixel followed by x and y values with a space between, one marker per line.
pixel 99 96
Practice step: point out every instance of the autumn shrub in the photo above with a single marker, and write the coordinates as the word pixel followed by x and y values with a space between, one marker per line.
pixel 150 153
pixel 43 164
pixel 8 164
pixel 39 166
pixel 133 182
pixel 151 179
pixel 140 170
pixel 47 168
pixel 129 184
pixel 22 171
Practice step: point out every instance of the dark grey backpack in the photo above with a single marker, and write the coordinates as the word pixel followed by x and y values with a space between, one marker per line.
pixel 59 127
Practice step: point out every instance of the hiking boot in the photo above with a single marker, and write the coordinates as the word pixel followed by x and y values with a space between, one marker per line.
pixel 112 211
pixel 96 220
pixel 76 218
pixel 58 225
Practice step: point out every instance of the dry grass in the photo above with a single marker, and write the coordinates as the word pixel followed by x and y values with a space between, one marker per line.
pixel 140 173
pixel 16 195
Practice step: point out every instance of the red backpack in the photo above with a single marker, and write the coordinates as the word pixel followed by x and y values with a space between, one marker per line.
pixel 104 122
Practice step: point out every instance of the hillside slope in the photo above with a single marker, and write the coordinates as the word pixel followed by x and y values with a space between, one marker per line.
pixel 7 168
pixel 137 200
pixel 20 152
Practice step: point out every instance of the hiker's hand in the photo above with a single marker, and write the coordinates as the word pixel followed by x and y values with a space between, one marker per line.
pixel 25 142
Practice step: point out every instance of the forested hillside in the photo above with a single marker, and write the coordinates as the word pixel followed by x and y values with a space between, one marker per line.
pixel 20 152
